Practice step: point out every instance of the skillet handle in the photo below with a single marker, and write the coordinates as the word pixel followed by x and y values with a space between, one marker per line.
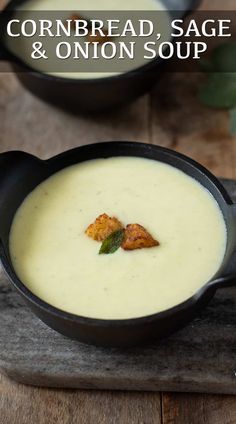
pixel 20 172
pixel 18 168
pixel 3 53
pixel 228 279
pixel 13 158
pixel 224 282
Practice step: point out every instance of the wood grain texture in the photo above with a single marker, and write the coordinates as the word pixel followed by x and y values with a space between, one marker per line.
pixel 20 404
pixel 181 408
pixel 26 123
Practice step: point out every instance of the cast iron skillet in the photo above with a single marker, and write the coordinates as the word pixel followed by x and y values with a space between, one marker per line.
pixel 21 172
pixel 93 94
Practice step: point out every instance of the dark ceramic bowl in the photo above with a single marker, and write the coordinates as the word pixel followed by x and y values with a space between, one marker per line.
pixel 20 173
pixel 81 95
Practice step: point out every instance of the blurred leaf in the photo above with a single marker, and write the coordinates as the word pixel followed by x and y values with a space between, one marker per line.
pixel 219 91
pixel 206 65
pixel 223 58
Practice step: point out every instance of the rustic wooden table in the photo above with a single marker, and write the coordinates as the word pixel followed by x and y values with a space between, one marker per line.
pixel 170 116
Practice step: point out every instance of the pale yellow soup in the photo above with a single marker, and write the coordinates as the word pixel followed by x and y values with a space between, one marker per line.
pixel 59 263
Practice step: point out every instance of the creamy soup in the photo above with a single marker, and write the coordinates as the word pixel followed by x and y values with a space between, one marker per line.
pixel 22 47
pixel 56 260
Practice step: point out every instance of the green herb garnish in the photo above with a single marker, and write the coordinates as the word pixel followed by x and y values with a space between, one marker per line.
pixel 112 243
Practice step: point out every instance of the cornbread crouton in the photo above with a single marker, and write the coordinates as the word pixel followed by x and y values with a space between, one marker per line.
pixel 99 38
pixel 102 227
pixel 136 237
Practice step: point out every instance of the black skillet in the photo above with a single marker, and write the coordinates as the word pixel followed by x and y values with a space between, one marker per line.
pixel 20 173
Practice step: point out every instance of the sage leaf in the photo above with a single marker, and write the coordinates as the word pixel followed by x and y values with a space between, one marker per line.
pixel 233 121
pixel 112 243
pixel 219 91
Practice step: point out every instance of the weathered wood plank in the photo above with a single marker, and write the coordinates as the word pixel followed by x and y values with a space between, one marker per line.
pixel 24 405
pixel 181 408
pixel 20 404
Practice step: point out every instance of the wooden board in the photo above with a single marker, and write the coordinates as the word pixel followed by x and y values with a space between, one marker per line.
pixel 172 118
pixel 199 358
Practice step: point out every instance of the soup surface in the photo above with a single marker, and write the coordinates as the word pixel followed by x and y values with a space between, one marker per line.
pixel 56 260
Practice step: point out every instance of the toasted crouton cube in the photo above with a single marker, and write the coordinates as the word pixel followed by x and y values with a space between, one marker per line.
pixel 136 237
pixel 102 227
